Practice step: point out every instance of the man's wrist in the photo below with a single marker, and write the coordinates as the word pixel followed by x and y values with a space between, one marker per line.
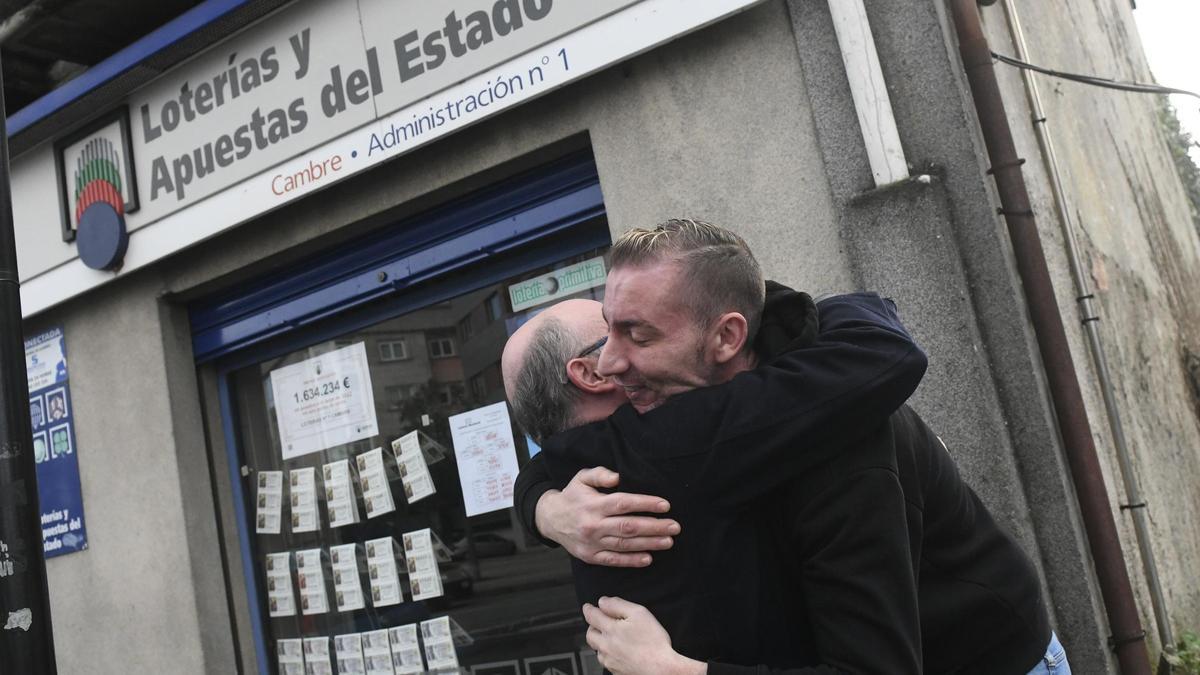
pixel 543 515
pixel 685 666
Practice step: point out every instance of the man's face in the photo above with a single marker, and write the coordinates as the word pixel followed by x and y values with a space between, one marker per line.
pixel 655 347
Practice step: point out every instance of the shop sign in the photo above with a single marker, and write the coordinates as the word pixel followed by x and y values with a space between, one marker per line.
pixel 558 284
pixel 54 448
pixel 321 91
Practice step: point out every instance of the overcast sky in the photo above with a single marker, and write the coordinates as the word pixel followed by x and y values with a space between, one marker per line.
pixel 1168 30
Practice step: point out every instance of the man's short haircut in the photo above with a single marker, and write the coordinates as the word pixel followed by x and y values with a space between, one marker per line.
pixel 720 274
pixel 543 404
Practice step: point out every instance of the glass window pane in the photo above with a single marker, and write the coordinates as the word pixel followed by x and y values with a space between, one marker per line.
pixel 511 597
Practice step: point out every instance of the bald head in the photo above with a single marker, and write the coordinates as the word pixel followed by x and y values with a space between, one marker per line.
pixel 536 360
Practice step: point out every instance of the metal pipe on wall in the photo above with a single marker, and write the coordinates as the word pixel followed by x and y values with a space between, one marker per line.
pixel 1128 638
pixel 1090 320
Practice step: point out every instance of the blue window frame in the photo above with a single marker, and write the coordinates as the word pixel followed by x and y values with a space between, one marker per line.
pixel 526 222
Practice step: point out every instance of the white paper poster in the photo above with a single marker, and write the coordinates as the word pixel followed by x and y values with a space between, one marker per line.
pixel 349 653
pixel 440 653
pixel 291 656
pixel 339 493
pixel 406 651
pixel 414 472
pixel 372 476
pixel 280 600
pixel 316 656
pixel 377 651
pixel 383 572
pixel 303 484
pixel 324 401
pixel 347 586
pixel 310 574
pixel 269 502
pixel 487 458
pixel 424 575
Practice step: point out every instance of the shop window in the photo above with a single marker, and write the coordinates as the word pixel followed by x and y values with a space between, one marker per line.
pixel 331 514
pixel 494 307
pixel 441 347
pixel 466 330
pixel 393 350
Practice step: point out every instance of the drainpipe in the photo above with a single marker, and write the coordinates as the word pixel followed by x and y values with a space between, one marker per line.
pixel 1090 319
pixel 1128 639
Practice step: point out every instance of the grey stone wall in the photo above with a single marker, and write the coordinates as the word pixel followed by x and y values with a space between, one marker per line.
pixel 1141 253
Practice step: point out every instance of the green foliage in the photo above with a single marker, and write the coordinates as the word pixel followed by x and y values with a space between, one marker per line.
pixel 1180 141
pixel 1187 660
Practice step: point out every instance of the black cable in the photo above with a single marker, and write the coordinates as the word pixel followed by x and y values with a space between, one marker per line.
pixel 1137 87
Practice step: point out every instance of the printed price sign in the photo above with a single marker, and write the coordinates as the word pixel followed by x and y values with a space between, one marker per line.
pixel 324 401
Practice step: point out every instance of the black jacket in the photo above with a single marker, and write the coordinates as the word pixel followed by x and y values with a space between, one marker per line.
pixel 718 454
pixel 821 571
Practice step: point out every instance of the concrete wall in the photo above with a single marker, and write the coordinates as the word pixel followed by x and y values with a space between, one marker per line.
pixel 1141 254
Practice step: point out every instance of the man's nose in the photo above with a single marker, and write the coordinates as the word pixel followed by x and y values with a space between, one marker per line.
pixel 612 359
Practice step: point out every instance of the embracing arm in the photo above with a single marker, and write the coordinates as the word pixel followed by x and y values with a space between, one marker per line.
pixel 592 526
pixel 770 424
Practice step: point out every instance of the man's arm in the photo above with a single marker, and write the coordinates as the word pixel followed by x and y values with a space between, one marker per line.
pixel 592 526
pixel 740 440
pixel 862 367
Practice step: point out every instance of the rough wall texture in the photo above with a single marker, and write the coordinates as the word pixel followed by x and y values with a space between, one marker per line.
pixel 137 599
pixel 1141 254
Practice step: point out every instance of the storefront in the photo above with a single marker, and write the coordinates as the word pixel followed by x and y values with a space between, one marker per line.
pixel 393 345
pixel 267 286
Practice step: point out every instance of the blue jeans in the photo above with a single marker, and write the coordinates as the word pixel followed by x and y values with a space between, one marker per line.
pixel 1055 660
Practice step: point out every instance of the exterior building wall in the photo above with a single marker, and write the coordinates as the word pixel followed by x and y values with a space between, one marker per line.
pixel 677 131
pixel 1141 252
pixel 748 123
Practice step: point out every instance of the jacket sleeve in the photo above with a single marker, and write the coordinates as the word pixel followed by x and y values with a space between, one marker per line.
pixel 533 481
pixel 742 439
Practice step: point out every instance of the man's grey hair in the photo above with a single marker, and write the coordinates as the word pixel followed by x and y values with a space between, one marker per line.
pixel 543 400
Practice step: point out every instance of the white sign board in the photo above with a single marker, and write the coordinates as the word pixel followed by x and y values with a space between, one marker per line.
pixel 487 457
pixel 319 92
pixel 324 401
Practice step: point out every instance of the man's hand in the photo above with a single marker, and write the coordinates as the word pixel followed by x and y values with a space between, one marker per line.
pixel 629 641
pixel 596 528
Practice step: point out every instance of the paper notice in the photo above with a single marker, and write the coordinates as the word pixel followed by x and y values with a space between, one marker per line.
pixel 269 502
pixel 414 471
pixel 424 577
pixel 324 401
pixel 316 656
pixel 383 572
pixel 487 458
pixel 347 586
pixel 291 656
pixel 349 653
pixel 339 493
pixel 280 600
pixel 377 651
pixel 438 639
pixel 310 575
pixel 372 476
pixel 305 516
pixel 406 651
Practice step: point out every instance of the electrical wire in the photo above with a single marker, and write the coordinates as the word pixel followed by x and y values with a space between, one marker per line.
pixel 1137 87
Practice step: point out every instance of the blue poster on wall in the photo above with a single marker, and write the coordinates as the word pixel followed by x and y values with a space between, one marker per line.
pixel 54 447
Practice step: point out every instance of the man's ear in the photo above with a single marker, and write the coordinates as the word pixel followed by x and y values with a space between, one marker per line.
pixel 728 337
pixel 582 373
